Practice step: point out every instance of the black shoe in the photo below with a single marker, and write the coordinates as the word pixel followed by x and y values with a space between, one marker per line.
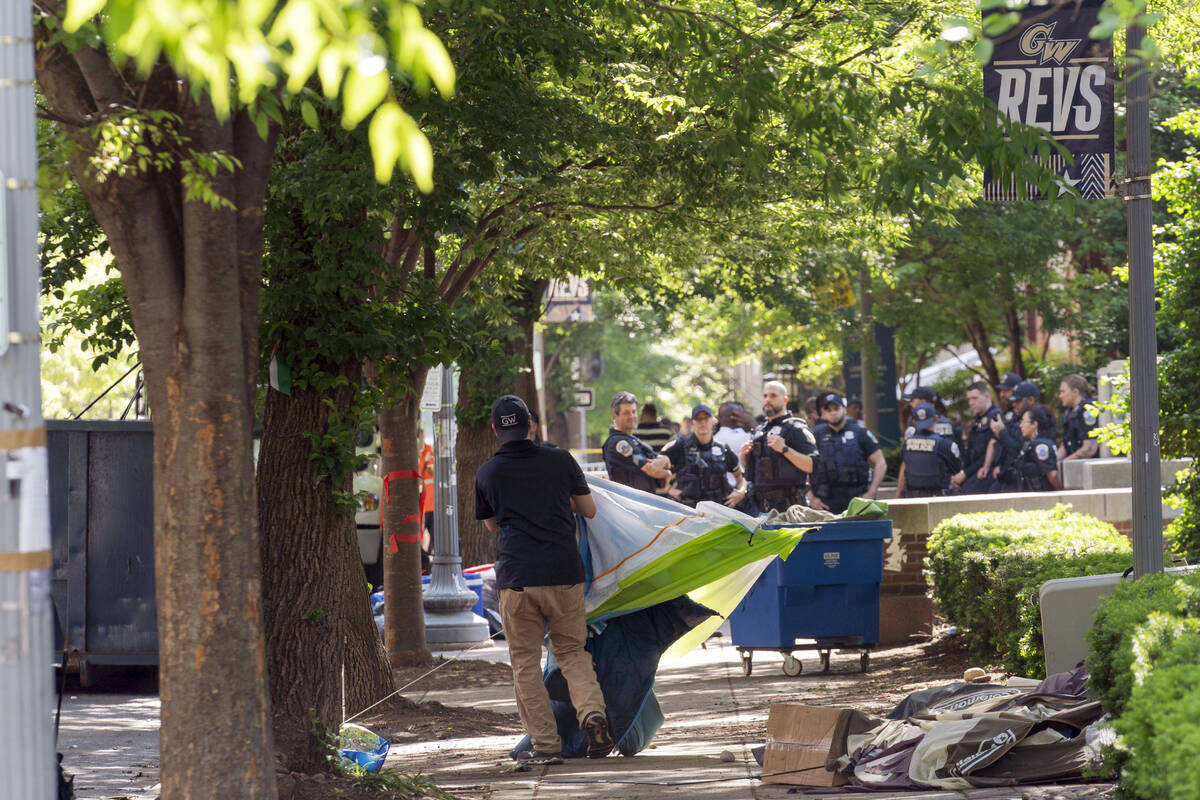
pixel 600 742
pixel 538 758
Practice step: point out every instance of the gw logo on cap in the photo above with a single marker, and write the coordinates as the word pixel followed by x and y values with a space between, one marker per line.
pixel 508 419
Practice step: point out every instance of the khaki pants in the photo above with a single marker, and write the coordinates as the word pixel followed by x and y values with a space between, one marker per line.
pixel 528 615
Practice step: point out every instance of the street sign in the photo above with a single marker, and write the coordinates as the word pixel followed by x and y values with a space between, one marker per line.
pixel 585 399
pixel 4 310
pixel 431 395
pixel 568 300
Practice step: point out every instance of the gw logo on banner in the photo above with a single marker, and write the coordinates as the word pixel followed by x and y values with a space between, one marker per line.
pixel 1046 73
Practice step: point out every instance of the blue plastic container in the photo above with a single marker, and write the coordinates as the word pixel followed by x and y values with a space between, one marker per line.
pixel 827 590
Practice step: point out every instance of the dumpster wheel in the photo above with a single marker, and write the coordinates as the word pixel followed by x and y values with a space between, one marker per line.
pixel 791 665
pixel 825 660
pixel 747 662
pixel 865 661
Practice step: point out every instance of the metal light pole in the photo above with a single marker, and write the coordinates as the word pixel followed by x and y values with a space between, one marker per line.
pixel 449 622
pixel 26 650
pixel 1145 455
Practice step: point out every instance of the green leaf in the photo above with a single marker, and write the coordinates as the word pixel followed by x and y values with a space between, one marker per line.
pixel 436 61
pixel 983 51
pixel 310 115
pixel 80 11
pixel 384 136
pixel 361 94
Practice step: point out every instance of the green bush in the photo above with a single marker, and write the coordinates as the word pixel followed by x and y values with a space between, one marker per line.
pixel 987 569
pixel 1122 646
pixel 1159 735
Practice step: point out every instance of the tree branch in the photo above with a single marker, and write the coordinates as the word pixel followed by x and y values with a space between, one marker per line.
pixel 477 264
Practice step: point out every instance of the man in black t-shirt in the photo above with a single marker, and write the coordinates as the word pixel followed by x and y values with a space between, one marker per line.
pixel 528 495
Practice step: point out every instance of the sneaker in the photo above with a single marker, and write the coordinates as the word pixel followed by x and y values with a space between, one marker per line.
pixel 537 758
pixel 600 742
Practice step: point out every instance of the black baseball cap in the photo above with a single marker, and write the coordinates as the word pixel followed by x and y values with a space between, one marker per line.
pixel 510 415
pixel 925 393
pixel 831 398
pixel 923 417
pixel 700 408
pixel 1009 383
pixel 1026 389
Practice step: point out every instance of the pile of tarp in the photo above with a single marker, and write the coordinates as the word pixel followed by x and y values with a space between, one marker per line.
pixel 661 577
pixel 965 735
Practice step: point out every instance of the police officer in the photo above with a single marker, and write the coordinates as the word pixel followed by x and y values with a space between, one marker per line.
pixel 930 459
pixel 942 425
pixel 1004 390
pixel 1038 466
pixel 702 464
pixel 628 459
pixel 980 451
pixel 1076 393
pixel 780 456
pixel 1009 441
pixel 850 464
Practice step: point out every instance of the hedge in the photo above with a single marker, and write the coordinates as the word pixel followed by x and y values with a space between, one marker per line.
pixel 1145 668
pixel 1131 626
pixel 987 569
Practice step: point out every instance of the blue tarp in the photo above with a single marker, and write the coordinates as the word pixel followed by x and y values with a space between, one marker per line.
pixel 626 654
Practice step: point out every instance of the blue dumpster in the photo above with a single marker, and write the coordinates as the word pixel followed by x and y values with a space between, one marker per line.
pixel 826 593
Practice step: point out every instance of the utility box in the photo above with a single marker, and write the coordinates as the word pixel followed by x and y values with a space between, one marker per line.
pixel 102 540
pixel 1068 606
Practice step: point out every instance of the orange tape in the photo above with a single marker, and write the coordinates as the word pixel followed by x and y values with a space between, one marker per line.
pixel 396 475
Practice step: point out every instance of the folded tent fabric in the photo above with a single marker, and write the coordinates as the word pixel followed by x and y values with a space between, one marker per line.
pixel 971 735
pixel 642 549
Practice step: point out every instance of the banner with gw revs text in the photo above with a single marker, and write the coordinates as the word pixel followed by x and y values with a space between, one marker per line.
pixel 1047 73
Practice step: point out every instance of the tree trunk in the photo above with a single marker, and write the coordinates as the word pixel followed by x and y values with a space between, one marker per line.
pixel 977 333
pixel 404 614
pixel 308 541
pixel 474 446
pixel 191 277
pixel 368 674
pixel 1012 325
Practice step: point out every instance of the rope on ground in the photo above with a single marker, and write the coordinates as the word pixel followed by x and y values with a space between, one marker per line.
pixel 727 779
pixel 419 678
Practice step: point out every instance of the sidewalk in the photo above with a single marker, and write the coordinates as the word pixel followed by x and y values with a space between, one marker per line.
pixel 714 715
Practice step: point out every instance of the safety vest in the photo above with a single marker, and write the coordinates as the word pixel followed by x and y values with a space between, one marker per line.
pixel 425 469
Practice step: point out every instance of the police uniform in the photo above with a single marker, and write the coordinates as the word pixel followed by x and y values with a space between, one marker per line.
pixel 929 458
pixel 700 469
pixel 843 471
pixel 1038 459
pixel 777 483
pixel 1078 422
pixel 1009 443
pixel 979 435
pixel 624 457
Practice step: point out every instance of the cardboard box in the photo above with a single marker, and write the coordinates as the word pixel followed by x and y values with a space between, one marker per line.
pixel 800 737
